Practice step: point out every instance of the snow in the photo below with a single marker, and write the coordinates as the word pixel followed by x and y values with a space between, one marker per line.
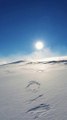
pixel 33 91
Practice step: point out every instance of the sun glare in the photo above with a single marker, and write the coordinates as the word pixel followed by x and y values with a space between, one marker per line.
pixel 39 45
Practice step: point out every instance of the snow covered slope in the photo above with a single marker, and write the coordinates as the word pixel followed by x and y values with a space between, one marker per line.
pixel 33 90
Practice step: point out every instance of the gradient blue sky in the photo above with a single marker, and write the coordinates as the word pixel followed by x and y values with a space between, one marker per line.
pixel 22 22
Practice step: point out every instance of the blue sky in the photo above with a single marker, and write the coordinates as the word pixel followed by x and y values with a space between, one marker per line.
pixel 22 22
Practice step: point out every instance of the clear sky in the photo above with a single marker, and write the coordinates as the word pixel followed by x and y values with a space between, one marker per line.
pixel 22 22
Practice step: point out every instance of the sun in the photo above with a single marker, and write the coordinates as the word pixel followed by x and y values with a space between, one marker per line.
pixel 39 45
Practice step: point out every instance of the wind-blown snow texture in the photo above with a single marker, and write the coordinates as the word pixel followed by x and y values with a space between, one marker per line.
pixel 33 90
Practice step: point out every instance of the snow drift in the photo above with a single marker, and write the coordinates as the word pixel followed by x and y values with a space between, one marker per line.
pixel 33 90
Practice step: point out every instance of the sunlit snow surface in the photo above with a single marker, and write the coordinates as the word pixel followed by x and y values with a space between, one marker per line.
pixel 33 90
